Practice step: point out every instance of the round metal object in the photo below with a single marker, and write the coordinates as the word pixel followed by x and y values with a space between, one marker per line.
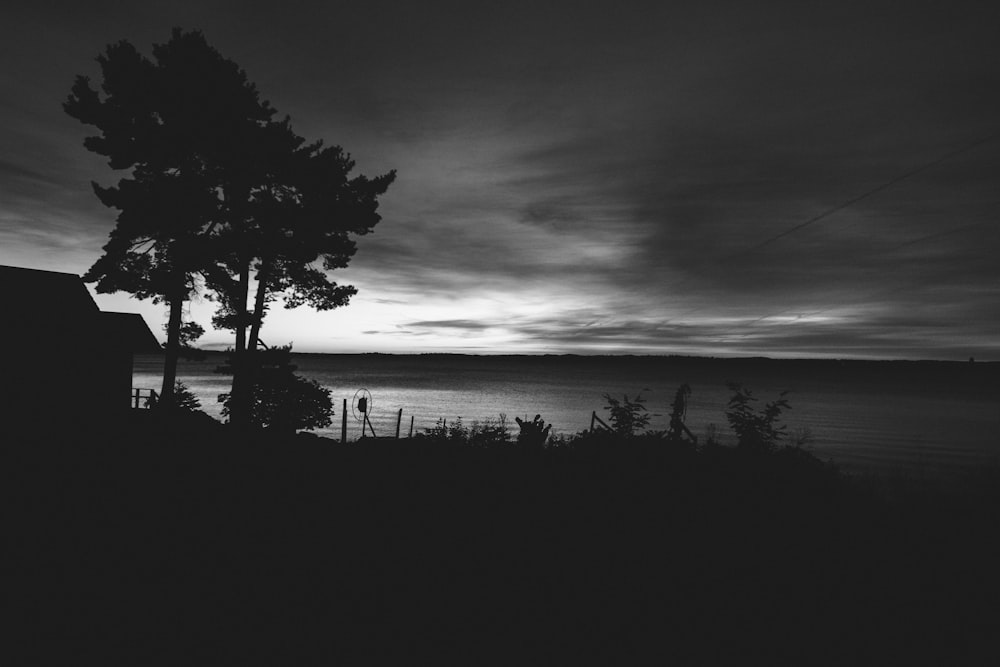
pixel 362 404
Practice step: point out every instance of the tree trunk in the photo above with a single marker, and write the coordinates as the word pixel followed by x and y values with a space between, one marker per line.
pixel 172 352
pixel 257 320
pixel 239 405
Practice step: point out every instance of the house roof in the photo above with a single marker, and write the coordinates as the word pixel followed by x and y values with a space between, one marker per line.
pixel 34 296
pixel 45 307
pixel 131 330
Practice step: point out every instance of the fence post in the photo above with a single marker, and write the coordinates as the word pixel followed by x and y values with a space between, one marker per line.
pixel 343 423
pixel 399 418
pixel 411 425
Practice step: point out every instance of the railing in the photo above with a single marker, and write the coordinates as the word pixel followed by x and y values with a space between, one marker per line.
pixel 148 399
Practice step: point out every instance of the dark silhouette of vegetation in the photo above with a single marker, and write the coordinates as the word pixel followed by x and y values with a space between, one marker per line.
pixel 534 433
pixel 281 400
pixel 188 334
pixel 486 433
pixel 184 398
pixel 305 213
pixel 756 431
pixel 601 548
pixel 218 189
pixel 179 123
pixel 627 417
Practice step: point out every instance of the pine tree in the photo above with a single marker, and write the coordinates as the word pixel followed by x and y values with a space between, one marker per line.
pixel 182 125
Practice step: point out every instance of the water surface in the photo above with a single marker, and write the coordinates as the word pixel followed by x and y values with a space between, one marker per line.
pixel 917 417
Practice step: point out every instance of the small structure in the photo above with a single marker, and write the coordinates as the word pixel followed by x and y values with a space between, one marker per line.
pixel 63 358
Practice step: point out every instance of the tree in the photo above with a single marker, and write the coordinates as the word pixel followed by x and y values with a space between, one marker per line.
pixel 182 124
pixel 301 215
pixel 218 189
pixel 281 400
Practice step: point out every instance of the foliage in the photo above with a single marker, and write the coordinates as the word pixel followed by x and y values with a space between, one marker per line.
pixel 533 433
pixel 189 332
pixel 184 398
pixel 294 228
pixel 456 432
pixel 281 400
pixel 756 431
pixel 487 433
pixel 627 416
pixel 183 124
pixel 490 432
pixel 217 189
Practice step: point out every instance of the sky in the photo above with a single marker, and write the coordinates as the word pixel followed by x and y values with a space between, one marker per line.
pixel 783 179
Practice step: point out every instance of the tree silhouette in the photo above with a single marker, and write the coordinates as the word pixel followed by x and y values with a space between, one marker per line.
pixel 280 399
pixel 217 189
pixel 183 125
pixel 303 213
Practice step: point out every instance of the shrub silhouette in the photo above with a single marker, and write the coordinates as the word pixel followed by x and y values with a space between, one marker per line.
pixel 533 433
pixel 457 432
pixel 184 398
pixel 627 416
pixel 487 433
pixel 281 400
pixel 490 432
pixel 756 431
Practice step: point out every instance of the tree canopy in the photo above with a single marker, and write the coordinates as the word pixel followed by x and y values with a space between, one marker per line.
pixel 216 188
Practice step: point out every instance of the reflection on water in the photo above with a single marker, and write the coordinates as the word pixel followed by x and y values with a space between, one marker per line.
pixel 918 418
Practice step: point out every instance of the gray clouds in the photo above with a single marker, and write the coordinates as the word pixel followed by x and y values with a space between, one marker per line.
pixel 602 173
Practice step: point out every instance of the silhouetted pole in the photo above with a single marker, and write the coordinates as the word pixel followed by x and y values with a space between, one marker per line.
pixel 399 419
pixel 343 424
pixel 411 426
pixel 595 418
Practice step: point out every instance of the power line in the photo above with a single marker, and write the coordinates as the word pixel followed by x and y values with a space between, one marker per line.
pixel 869 193
pixel 841 207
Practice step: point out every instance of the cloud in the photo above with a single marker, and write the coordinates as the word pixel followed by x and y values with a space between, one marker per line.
pixel 463 325
pixel 600 180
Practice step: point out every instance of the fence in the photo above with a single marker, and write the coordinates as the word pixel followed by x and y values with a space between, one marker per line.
pixel 366 424
pixel 149 398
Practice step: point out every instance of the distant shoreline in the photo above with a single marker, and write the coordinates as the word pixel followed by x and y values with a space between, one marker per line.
pixel 642 357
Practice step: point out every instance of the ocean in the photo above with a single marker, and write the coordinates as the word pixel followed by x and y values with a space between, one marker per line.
pixel 918 418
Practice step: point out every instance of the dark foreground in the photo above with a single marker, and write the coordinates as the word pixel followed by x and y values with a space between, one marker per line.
pixel 184 548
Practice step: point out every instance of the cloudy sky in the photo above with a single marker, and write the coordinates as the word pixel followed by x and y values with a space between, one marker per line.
pixel 724 178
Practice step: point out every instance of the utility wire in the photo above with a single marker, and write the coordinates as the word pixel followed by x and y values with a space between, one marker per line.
pixel 841 207
pixel 869 193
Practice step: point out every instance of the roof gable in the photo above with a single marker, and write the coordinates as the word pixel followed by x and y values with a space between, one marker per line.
pixel 129 331
pixel 45 296
pixel 49 308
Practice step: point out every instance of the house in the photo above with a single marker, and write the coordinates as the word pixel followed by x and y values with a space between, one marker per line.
pixel 62 357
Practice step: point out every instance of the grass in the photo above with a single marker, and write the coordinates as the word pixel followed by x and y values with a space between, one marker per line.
pixel 166 542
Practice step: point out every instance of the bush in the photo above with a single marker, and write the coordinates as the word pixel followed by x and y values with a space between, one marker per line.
pixel 627 416
pixel 534 433
pixel 184 398
pixel 490 432
pixel 756 431
pixel 281 400
pixel 441 431
pixel 487 433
